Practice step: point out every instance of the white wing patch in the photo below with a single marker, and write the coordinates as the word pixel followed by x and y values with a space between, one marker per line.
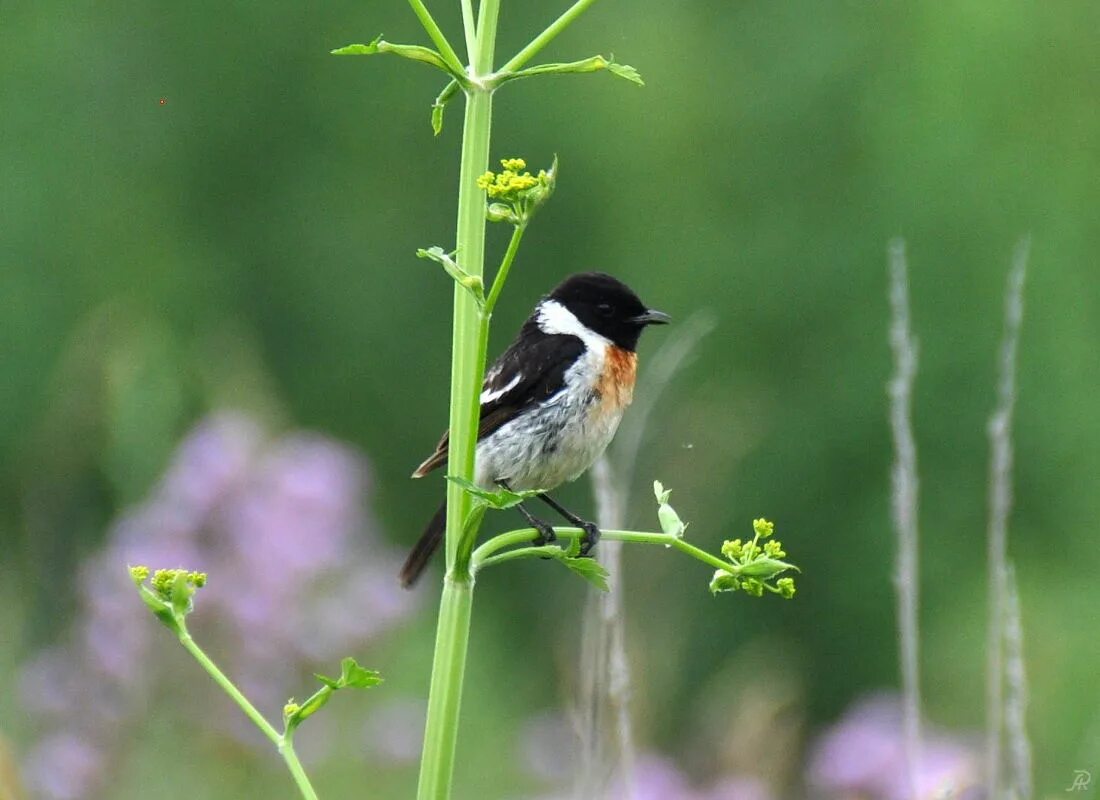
pixel 489 395
pixel 554 318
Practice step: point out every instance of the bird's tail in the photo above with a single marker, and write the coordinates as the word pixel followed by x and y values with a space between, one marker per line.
pixel 424 548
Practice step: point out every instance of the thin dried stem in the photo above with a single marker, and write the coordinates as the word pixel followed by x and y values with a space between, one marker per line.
pixel 1000 507
pixel 602 713
pixel 905 487
pixel 1019 746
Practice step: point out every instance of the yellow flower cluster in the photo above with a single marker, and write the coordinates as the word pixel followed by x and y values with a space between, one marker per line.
pixel 512 184
pixel 163 579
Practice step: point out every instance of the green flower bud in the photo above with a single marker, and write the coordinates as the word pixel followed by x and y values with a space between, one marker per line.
pixel 498 212
pixel 724 582
pixel 785 587
pixel 774 549
pixel 732 549
pixel 763 528
pixel 753 586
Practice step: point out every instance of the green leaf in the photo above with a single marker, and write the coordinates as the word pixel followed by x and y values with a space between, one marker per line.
pixel 357 677
pixel 351 676
pixel 160 607
pixel 764 568
pixel 182 590
pixel 500 498
pixel 666 514
pixel 440 103
pixel 413 52
pixel 724 582
pixel 313 704
pixel 471 283
pixel 593 64
pixel 625 71
pixel 588 568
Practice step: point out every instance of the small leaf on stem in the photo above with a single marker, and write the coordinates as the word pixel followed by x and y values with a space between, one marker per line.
pixel 471 283
pixel 500 498
pixel 413 52
pixel 357 677
pixel 593 64
pixel 588 568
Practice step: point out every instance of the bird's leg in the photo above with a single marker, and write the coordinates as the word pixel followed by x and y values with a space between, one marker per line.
pixel 591 531
pixel 545 529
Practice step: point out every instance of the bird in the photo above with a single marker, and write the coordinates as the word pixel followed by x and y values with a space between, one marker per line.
pixel 552 401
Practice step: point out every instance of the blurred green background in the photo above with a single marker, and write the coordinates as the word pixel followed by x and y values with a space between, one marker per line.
pixel 248 243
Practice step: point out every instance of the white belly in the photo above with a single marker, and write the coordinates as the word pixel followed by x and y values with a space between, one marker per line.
pixel 556 441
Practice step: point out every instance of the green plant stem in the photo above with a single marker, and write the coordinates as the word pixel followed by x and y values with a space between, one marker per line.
pixel 469 339
pixel 437 37
pixel 283 742
pixel 489 552
pixel 286 750
pixel 469 28
pixel 505 267
pixel 448 668
pixel 487 16
pixel 547 36
pixel 223 681
pixel 467 356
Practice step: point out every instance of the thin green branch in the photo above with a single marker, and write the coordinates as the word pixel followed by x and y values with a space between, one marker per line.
pixel 518 552
pixel 286 749
pixel 489 552
pixel 547 36
pixel 505 266
pixel 283 742
pixel 469 28
pixel 228 687
pixel 486 36
pixel 437 36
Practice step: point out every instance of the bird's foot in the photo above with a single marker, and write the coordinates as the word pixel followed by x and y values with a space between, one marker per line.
pixel 590 538
pixel 545 530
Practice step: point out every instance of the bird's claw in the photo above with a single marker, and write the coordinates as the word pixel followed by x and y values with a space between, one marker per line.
pixel 590 538
pixel 545 530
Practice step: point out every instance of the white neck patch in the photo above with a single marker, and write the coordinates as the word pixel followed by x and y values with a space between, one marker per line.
pixel 554 318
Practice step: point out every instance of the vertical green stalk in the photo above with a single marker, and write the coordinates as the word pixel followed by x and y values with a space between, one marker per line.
pixel 465 359
pixel 441 735
pixel 467 368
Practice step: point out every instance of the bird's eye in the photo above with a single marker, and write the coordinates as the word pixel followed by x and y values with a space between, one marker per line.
pixel 604 309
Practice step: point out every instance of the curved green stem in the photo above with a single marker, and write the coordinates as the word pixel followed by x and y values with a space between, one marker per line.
pixel 505 267
pixel 487 554
pixel 547 36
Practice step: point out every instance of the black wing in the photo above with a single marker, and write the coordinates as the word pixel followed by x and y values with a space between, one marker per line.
pixel 529 372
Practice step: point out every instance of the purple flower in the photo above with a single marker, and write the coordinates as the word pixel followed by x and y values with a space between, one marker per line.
pixel 64 767
pixel 548 744
pixel 298 577
pixel 864 755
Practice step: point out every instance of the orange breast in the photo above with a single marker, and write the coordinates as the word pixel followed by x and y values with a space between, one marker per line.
pixel 616 386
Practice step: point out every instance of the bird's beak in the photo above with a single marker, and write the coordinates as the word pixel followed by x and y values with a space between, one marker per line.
pixel 651 317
